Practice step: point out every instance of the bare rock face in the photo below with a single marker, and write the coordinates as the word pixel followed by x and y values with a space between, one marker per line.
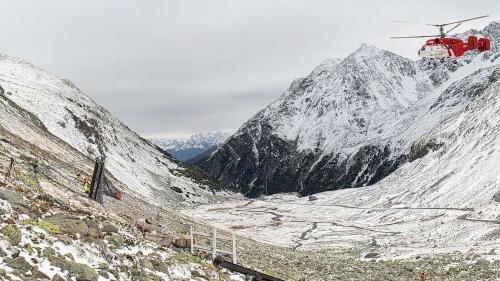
pixel 351 122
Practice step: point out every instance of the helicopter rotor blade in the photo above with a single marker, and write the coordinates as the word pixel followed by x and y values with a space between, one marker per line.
pixel 459 24
pixel 460 21
pixel 419 36
pixel 402 21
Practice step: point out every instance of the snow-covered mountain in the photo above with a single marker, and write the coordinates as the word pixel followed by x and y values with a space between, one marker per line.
pixel 68 114
pixel 446 199
pixel 352 121
pixel 186 148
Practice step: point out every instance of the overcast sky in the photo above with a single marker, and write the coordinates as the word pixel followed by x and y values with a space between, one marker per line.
pixel 180 67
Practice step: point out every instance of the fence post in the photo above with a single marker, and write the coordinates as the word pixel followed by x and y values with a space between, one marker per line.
pixel 234 249
pixel 214 244
pixel 192 239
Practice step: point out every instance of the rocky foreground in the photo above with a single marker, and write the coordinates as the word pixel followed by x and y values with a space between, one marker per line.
pixel 54 233
pixel 44 238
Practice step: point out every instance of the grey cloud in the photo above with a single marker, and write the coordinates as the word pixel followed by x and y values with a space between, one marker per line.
pixel 170 67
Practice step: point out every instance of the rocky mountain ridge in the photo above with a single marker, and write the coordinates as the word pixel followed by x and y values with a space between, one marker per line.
pixel 349 124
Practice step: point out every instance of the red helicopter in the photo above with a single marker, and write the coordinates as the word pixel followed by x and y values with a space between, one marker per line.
pixel 442 47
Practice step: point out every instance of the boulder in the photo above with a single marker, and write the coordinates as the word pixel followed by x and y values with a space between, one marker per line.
pixel 94 233
pixel 148 264
pixel 15 253
pixel 103 265
pixel 65 239
pixel 68 224
pixel 115 240
pixel 19 263
pixel 69 256
pixel 12 234
pixel 47 226
pixel 198 273
pixel 18 203
pixel 29 248
pixel 38 274
pixel 104 274
pixel 81 271
pixel 496 197
pixel 48 252
pixel 13 198
pixel 57 277
pixel 109 228
pixel 371 255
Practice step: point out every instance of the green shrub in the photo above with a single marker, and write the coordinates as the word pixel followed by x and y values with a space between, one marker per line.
pixel 47 226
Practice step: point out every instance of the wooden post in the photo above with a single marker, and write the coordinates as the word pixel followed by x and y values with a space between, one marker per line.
pixel 192 239
pixel 214 244
pixel 234 249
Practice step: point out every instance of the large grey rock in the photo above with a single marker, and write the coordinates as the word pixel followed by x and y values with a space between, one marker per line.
pixel 496 197
pixel 57 277
pixel 13 198
pixel 48 252
pixel 18 203
pixel 372 255
pixel 12 234
pixel 19 263
pixel 38 274
pixel 69 224
pixel 107 227
pixel 81 272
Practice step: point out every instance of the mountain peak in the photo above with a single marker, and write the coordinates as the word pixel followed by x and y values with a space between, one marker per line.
pixel 369 52
pixel 363 48
pixel 329 65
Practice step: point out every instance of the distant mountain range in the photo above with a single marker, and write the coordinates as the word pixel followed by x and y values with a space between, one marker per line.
pixel 186 148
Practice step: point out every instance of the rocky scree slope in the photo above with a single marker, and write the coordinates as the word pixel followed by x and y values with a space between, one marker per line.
pixel 44 238
pixel 350 123
pixel 68 114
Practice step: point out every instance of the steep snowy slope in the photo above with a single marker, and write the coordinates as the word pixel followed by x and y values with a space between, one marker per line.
pixel 186 148
pixel 73 117
pixel 345 125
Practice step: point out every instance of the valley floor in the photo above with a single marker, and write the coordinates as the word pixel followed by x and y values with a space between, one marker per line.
pixel 372 240
pixel 272 239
